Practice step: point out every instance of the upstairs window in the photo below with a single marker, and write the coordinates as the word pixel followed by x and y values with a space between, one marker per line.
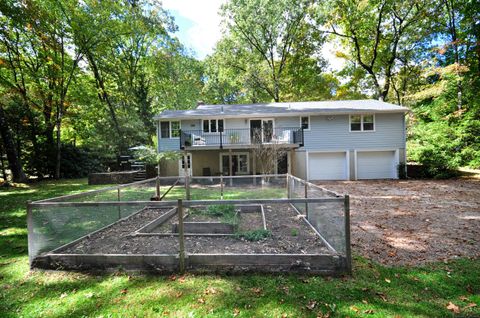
pixel 362 123
pixel 169 129
pixel 212 125
pixel 174 129
pixel 305 122
pixel 165 129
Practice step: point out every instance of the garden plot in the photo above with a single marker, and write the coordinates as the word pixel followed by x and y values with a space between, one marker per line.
pixel 277 232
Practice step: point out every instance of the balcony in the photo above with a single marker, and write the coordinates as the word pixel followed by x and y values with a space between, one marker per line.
pixel 241 138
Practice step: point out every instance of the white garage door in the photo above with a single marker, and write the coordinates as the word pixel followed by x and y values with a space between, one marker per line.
pixel 376 165
pixel 327 166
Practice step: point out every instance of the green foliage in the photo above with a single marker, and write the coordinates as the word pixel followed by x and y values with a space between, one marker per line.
pixel 225 212
pixel 254 235
pixel 294 232
pixel 78 162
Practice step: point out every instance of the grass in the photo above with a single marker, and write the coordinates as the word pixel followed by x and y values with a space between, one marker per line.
pixel 372 291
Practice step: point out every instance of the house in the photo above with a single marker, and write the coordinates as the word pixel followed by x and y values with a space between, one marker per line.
pixel 326 140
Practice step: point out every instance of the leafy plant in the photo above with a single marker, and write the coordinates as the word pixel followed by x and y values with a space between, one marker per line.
pixel 226 212
pixel 254 235
pixel 294 232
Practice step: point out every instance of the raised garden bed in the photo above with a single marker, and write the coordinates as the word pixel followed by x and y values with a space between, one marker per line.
pixel 147 240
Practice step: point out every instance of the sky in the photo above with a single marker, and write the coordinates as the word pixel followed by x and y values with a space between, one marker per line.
pixel 199 28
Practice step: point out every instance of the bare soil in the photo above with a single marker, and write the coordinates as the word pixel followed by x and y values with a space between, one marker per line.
pixel 413 222
pixel 290 235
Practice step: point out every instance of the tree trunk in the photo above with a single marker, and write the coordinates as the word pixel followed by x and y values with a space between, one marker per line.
pixel 12 155
pixel 59 150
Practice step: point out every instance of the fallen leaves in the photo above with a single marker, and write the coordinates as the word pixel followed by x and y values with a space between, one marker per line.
pixel 311 304
pixel 453 308
pixel 388 280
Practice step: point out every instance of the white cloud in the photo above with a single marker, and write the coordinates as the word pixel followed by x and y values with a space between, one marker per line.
pixel 203 14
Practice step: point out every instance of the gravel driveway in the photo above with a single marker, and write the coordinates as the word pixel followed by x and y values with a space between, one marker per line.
pixel 412 222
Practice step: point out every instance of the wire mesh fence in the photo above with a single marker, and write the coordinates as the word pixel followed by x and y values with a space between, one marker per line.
pixel 241 215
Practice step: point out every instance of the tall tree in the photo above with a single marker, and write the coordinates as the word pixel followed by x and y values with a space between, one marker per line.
pixel 269 31
pixel 375 32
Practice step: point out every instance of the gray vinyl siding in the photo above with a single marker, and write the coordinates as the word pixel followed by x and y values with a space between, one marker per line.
pixel 326 132
pixel 333 132
pixel 287 122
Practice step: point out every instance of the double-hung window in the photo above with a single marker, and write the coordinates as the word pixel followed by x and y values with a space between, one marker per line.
pixel 305 122
pixel 169 129
pixel 362 122
pixel 212 125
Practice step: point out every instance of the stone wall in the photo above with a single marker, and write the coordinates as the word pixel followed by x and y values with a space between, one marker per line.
pixel 119 177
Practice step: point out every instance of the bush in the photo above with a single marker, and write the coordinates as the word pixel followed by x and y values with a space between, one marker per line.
pixel 77 162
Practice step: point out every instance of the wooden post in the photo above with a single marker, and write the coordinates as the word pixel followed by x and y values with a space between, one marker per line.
pixel 289 195
pixel 187 176
pixel 348 250
pixel 306 197
pixel 254 168
pixel 230 165
pixel 30 232
pixel 119 207
pixel 221 186
pixel 157 184
pixel 181 237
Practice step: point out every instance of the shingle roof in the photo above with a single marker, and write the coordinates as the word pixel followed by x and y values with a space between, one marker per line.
pixel 285 109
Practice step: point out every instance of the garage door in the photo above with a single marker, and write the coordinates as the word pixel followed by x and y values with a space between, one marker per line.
pixel 327 166
pixel 376 165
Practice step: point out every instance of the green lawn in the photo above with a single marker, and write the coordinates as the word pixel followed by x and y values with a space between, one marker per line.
pixel 372 291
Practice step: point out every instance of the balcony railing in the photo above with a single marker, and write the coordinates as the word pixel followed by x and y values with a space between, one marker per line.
pixel 241 137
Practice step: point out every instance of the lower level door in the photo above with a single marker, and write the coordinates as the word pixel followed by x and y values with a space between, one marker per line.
pixel 239 164
pixel 181 165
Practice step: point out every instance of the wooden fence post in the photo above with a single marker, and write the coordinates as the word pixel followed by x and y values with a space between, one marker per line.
pixel 348 250
pixel 181 237
pixel 306 203
pixel 289 195
pixel 30 232
pixel 157 187
pixel 119 207
pixel 221 186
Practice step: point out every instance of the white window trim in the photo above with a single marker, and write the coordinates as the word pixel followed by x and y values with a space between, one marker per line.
pixel 233 154
pixel 262 119
pixel 309 123
pixel 210 128
pixel 361 123
pixel 169 128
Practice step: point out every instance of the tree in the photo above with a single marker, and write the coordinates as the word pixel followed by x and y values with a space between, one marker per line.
pixel 12 156
pixel 375 32
pixel 268 32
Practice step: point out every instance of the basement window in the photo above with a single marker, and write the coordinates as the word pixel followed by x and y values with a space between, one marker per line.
pixel 362 122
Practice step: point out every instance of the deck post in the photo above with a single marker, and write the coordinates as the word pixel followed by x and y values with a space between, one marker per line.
pixel 181 237
pixel 348 250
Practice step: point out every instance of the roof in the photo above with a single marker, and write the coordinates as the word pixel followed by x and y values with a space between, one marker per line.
pixel 284 109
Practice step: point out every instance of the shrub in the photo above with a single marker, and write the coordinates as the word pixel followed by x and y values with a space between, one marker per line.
pixel 78 162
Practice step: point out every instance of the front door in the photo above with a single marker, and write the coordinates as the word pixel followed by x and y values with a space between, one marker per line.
pixel 181 165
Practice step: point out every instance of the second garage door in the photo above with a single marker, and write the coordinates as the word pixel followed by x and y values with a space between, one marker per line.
pixel 376 165
pixel 327 166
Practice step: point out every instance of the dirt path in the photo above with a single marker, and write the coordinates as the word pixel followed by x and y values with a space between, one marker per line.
pixel 413 222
